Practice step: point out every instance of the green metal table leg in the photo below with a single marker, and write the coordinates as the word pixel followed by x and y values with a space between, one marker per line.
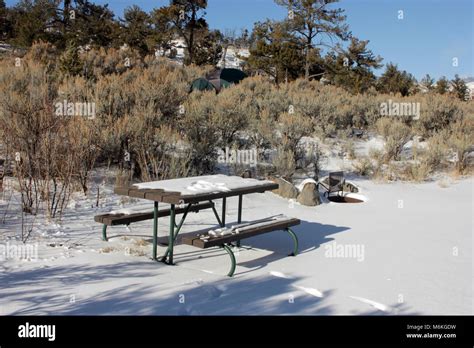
pixel 155 229
pixel 239 217
pixel 295 240
pixel 215 213
pixel 232 260
pixel 223 211
pixel 239 213
pixel 171 236
pixel 178 228
pixel 104 233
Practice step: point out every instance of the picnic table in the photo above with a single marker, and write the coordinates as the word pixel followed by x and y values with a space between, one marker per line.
pixel 183 194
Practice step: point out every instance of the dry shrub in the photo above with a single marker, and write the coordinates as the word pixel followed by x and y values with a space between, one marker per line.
pixel 378 160
pixel 461 140
pixel 49 147
pixel 396 134
pixel 232 111
pixel 200 131
pixel 417 171
pixel 363 166
pixel 435 154
pixel 161 153
pixel 291 128
pixel 284 163
pixel 437 113
pixel 107 61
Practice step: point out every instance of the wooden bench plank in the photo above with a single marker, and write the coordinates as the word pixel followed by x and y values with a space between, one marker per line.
pixel 124 219
pixel 250 232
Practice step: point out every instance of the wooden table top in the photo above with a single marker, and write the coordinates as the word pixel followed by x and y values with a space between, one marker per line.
pixel 196 189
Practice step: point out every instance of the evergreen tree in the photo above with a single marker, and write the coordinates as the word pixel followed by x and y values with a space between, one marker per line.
pixel 315 24
pixel 136 28
pixel 91 24
pixel 69 62
pixel 35 20
pixel 352 69
pixel 442 86
pixel 6 28
pixel 208 50
pixel 460 88
pixel 276 51
pixel 162 30
pixel 187 19
pixel 427 83
pixel 396 81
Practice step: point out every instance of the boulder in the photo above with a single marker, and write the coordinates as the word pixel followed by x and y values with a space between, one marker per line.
pixel 286 189
pixel 309 195
pixel 246 174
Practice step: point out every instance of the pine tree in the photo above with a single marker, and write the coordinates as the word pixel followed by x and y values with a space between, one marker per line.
pixel 276 51
pixel 427 82
pixel 136 28
pixel 352 69
pixel 442 86
pixel 35 20
pixel 208 50
pixel 92 25
pixel 460 88
pixel 187 19
pixel 162 30
pixel 396 81
pixel 315 24
pixel 69 62
pixel 5 21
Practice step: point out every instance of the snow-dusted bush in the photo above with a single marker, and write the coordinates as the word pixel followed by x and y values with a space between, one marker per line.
pixel 49 148
pixel 200 131
pixel 461 142
pixel 437 113
pixel 396 134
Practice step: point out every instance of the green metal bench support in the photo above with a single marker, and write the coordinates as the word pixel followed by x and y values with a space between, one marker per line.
pixel 217 215
pixel 104 233
pixel 232 259
pixel 155 229
pixel 224 200
pixel 295 240
pixel 239 217
pixel 171 236
pixel 178 228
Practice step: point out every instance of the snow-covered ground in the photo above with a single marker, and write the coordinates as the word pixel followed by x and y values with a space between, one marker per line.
pixel 407 250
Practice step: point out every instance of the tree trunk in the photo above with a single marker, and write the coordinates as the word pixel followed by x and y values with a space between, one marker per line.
pixel 191 37
pixel 306 67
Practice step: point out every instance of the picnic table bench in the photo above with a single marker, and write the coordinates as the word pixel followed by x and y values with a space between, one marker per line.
pixel 117 219
pixel 224 237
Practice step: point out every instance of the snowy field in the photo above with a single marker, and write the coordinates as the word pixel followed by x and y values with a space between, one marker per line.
pixel 407 250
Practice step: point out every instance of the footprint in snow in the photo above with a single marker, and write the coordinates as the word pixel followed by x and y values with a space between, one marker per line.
pixel 214 292
pixel 376 305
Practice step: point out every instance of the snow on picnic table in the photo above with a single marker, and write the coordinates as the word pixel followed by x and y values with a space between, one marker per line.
pixel 203 184
pixel 414 244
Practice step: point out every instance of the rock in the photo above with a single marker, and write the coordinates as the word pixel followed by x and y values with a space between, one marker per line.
pixel 246 174
pixel 286 189
pixel 309 195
